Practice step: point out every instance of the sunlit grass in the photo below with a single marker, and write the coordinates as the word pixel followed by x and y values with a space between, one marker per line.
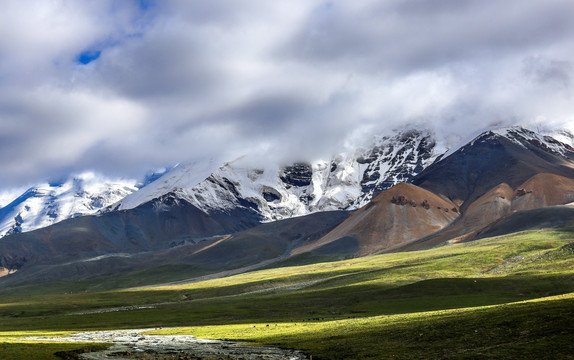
pixel 512 331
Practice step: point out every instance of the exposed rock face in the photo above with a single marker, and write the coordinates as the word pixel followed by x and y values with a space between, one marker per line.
pixel 396 160
pixel 298 174
pixel 521 192
pixel 270 194
pixel 400 200
pixel 425 204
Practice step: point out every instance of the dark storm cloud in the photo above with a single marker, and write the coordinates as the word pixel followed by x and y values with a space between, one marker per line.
pixel 184 80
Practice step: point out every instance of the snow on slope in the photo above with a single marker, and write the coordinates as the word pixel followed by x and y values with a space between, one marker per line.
pixel 6 197
pixel 346 181
pixel 564 136
pixel 178 177
pixel 520 136
pixel 46 204
pixel 557 141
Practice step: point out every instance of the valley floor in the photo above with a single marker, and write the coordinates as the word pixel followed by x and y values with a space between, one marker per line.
pixel 508 297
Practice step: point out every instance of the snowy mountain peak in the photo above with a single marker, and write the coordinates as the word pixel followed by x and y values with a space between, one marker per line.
pixel 48 203
pixel 345 181
pixel 525 137
pixel 180 176
pixel 555 141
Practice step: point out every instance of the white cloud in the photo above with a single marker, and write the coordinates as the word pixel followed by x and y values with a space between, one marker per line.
pixel 178 81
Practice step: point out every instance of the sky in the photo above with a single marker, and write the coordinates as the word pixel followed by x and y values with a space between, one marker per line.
pixel 121 87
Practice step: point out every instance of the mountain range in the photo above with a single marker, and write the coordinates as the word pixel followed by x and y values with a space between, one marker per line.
pixel 400 192
pixel 347 181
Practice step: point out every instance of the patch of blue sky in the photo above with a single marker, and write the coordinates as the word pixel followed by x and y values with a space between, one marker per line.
pixel 145 4
pixel 87 56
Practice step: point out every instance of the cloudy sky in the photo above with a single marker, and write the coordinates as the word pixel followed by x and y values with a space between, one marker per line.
pixel 122 86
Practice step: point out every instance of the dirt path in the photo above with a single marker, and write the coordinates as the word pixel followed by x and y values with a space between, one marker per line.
pixel 133 344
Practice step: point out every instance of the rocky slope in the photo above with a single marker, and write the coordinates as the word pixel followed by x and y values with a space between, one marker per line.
pixel 136 240
pixel 164 223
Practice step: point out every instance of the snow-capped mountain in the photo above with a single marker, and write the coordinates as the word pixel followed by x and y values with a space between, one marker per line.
pixel 48 203
pixel 346 181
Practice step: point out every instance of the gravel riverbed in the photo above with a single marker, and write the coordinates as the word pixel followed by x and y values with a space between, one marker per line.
pixel 134 344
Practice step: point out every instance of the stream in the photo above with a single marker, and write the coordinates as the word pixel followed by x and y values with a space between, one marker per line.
pixel 134 344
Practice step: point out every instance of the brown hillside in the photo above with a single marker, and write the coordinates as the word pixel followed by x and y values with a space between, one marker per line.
pixel 489 207
pixel 538 191
pixel 543 190
pixel 401 214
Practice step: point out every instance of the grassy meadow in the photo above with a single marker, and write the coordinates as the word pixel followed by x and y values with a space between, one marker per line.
pixel 509 297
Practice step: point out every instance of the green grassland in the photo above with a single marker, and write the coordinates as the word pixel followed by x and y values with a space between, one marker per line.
pixel 505 297
pixel 540 329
